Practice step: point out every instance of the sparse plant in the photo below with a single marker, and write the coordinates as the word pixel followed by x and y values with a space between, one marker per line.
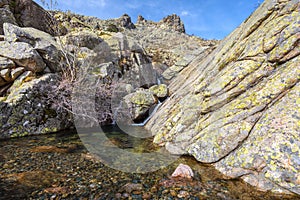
pixel 49 4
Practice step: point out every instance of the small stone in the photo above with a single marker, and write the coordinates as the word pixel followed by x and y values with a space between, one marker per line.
pixel 153 189
pixel 130 187
pixel 5 74
pixel 183 194
pixel 165 191
pixel 16 72
pixel 118 195
pixel 173 193
pixel 146 196
pixel 126 195
pixel 183 171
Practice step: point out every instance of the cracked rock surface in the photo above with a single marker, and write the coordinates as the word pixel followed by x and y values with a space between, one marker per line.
pixel 239 108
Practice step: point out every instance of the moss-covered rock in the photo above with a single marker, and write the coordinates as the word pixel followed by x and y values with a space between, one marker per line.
pixel 238 107
pixel 27 110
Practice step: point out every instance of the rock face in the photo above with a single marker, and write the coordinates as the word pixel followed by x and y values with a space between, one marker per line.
pixel 26 110
pixel 174 23
pixel 29 14
pixel 41 42
pixel 6 15
pixel 239 108
pixel 110 51
pixel 27 49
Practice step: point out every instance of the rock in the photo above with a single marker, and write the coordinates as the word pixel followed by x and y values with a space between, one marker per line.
pixel 161 91
pixel 16 72
pixel 5 74
pixel 130 187
pixel 183 194
pixel 20 78
pixel 6 16
pixel 6 63
pixel 169 73
pixel 82 39
pixel 42 42
pixel 183 171
pixel 33 96
pixel 125 21
pixel 22 54
pixel 174 23
pixel 30 14
pixel 140 20
pixel 238 108
pixel 138 104
pixel 3 2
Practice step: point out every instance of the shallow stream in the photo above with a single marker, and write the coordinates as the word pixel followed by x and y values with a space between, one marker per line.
pixel 59 166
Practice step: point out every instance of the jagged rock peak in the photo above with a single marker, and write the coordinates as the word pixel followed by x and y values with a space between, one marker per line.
pixel 125 21
pixel 140 19
pixel 174 22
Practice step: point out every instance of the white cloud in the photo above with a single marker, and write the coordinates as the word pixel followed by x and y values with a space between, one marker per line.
pixel 185 13
pixel 98 3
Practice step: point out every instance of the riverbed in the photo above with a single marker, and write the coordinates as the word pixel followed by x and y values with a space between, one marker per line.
pixel 59 166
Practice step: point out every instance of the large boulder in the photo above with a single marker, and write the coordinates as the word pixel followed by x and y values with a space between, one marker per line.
pixel 23 55
pixel 41 41
pixel 239 107
pixel 83 38
pixel 139 103
pixel 5 16
pixel 29 14
pixel 28 109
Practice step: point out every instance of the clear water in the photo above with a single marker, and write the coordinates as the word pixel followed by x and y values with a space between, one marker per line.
pixel 59 166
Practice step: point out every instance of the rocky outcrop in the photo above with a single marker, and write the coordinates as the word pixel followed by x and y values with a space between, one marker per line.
pixel 43 43
pixel 173 22
pixel 239 107
pixel 110 51
pixel 28 110
pixel 29 14
pixel 173 49
pixel 6 15
pixel 27 50
pixel 27 94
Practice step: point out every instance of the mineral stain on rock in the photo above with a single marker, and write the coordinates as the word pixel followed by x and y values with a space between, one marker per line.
pixel 243 101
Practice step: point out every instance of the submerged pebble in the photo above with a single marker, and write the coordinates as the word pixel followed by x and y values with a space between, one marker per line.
pixel 57 166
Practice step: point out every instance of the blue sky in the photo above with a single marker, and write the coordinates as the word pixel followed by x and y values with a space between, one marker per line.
pixel 210 19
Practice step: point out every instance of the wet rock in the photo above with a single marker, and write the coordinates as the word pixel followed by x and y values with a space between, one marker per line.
pixel 183 171
pixel 139 103
pixel 131 187
pixel 35 179
pixel 183 194
pixel 161 91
